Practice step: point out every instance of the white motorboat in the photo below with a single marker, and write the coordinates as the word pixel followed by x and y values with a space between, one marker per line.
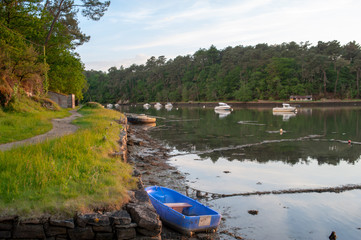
pixel 146 106
pixel 158 106
pixel 223 106
pixel 168 106
pixel 285 108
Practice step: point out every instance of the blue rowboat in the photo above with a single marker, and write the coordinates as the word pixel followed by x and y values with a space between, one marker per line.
pixel 181 212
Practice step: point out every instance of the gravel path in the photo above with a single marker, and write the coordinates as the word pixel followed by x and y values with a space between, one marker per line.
pixel 61 127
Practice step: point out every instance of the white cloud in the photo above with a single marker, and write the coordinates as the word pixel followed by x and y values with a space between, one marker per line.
pixel 126 62
pixel 180 26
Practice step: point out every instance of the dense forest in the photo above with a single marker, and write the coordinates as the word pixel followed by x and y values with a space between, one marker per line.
pixel 37 46
pixel 241 73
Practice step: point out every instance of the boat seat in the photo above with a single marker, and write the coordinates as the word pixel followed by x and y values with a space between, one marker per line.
pixel 178 206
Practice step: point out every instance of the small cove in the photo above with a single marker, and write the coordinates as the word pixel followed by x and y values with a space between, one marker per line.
pixel 246 152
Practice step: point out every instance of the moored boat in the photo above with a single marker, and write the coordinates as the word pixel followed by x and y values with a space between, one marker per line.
pixel 141 118
pixel 181 212
pixel 158 106
pixel 285 108
pixel 223 106
pixel 146 106
pixel 168 106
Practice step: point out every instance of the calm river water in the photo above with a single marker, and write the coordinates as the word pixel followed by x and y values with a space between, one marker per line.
pixel 245 151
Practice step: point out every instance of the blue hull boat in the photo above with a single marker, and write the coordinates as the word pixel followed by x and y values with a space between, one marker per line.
pixel 181 212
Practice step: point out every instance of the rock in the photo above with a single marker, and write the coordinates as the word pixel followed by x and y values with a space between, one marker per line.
pixel 203 236
pixel 29 231
pixel 62 223
pixel 132 225
pixel 53 231
pixel 104 236
pixel 103 229
pixel 61 237
pixel 142 196
pixel 81 233
pixel 145 216
pixel 147 232
pixel 126 233
pixel 120 218
pixel 149 238
pixel 35 220
pixel 92 219
pixel 253 212
pixel 5 234
pixel 332 236
pixel 6 226
pixel 8 218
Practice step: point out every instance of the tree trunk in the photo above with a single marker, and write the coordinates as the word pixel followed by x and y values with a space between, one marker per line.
pixel 56 17
pixel 324 81
pixel 358 72
pixel 338 73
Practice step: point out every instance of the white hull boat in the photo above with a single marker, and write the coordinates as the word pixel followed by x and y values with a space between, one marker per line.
pixel 223 106
pixel 285 108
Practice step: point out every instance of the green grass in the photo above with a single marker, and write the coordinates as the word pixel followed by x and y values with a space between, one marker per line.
pixel 70 174
pixel 25 118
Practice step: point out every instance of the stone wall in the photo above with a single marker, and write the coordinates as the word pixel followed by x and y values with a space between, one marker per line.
pixel 64 101
pixel 137 220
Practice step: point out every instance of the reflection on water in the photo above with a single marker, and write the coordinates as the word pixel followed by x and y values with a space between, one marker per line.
pixel 285 115
pixel 247 151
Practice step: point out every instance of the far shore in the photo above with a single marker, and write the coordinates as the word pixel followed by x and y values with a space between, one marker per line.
pixel 267 104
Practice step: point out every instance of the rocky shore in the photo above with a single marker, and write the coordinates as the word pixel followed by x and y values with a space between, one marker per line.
pixel 136 220
pixel 149 158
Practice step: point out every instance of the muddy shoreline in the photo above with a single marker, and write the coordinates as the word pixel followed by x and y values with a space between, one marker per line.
pixel 149 158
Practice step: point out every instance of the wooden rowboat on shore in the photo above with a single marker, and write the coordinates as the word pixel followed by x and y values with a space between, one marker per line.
pixel 181 212
pixel 140 118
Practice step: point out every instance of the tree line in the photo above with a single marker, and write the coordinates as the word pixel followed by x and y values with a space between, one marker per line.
pixel 240 73
pixel 37 46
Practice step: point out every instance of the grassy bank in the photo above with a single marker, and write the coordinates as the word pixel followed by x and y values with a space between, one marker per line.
pixel 68 174
pixel 26 118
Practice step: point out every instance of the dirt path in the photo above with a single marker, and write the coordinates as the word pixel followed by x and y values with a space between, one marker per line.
pixel 61 127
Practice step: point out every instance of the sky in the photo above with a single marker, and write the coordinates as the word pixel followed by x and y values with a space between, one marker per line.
pixel 132 31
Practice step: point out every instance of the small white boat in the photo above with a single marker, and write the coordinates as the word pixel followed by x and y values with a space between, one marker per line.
pixel 223 106
pixel 168 106
pixel 285 108
pixel 158 106
pixel 146 106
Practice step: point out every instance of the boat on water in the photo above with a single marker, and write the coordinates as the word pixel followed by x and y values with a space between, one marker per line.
pixel 146 106
pixel 141 118
pixel 181 212
pixel 158 106
pixel 223 106
pixel 285 108
pixel 168 106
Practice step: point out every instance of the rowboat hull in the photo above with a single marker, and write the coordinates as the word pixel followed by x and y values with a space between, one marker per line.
pixel 193 217
pixel 139 119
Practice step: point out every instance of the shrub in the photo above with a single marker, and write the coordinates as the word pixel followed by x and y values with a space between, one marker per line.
pixel 93 105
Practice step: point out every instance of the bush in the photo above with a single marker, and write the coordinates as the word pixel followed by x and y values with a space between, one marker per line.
pixel 92 105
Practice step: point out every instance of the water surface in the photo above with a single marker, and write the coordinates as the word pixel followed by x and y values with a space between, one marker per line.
pixel 253 150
